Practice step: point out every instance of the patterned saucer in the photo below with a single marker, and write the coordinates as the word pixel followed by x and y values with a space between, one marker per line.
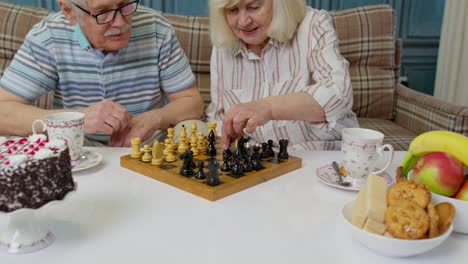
pixel 327 175
pixel 87 160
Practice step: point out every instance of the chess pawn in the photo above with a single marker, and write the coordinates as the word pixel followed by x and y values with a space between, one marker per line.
pixel 201 143
pixel 194 146
pixel 271 152
pixel 147 156
pixel 200 174
pixel 226 164
pixel 136 153
pixel 193 131
pixel 182 146
pixel 170 136
pixel 166 144
pixel 170 157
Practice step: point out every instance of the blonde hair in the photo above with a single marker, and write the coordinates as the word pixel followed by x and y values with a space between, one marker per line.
pixel 287 15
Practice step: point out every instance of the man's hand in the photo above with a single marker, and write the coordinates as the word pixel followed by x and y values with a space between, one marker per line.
pixel 106 117
pixel 142 126
pixel 248 115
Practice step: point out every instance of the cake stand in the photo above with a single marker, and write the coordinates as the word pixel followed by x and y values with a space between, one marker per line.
pixel 23 233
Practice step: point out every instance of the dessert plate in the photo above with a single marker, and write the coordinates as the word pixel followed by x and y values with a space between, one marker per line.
pixel 24 233
pixel 327 175
pixel 88 159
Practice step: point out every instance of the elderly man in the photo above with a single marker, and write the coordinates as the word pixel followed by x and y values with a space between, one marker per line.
pixel 119 64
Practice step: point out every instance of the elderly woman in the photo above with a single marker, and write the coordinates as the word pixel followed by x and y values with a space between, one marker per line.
pixel 276 72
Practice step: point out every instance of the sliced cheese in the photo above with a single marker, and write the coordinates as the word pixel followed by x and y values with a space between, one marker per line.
pixel 374 227
pixel 376 198
pixel 359 216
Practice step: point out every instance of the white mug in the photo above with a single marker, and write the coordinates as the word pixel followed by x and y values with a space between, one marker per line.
pixel 66 126
pixel 362 148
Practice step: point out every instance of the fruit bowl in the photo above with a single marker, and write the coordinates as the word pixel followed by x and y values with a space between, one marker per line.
pixel 460 222
pixel 387 246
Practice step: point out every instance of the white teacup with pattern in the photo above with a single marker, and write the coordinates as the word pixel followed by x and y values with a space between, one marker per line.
pixel 362 148
pixel 67 126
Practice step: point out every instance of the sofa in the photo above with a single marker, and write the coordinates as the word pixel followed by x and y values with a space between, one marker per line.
pixel 367 40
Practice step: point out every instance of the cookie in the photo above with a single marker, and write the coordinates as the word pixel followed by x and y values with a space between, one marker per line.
pixel 446 213
pixel 406 221
pixel 408 191
pixel 433 221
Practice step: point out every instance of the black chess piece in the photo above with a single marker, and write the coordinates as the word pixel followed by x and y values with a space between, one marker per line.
pixel 211 149
pixel 241 145
pixel 271 152
pixel 265 154
pixel 226 163
pixel 213 175
pixel 256 159
pixel 200 174
pixel 247 166
pixel 237 169
pixel 187 169
pixel 283 152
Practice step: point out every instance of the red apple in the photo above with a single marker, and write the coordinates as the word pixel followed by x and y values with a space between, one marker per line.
pixel 462 194
pixel 440 171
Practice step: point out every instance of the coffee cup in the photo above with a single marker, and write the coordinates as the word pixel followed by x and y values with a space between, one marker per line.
pixel 362 149
pixel 66 126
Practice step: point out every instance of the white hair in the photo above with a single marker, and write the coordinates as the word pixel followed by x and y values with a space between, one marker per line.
pixel 287 15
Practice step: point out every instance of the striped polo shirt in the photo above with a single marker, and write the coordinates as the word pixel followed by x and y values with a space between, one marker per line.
pixel 57 56
pixel 310 62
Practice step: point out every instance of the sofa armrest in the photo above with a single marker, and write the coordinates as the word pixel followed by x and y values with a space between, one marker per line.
pixel 420 112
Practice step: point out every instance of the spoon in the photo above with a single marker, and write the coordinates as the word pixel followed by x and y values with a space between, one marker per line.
pixel 337 170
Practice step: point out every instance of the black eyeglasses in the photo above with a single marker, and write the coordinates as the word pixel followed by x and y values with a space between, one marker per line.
pixel 109 15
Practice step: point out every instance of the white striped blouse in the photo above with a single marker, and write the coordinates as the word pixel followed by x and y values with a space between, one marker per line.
pixel 310 62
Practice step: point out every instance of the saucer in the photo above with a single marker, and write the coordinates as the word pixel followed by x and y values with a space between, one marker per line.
pixel 87 160
pixel 327 175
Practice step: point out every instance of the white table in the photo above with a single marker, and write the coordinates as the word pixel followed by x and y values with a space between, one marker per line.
pixel 118 216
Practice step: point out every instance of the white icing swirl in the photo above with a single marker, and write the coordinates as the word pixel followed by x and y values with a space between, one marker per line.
pixel 44 153
pixel 16 160
pixel 35 137
pixel 56 144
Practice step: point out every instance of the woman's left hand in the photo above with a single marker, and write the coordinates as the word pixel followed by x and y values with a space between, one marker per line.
pixel 247 115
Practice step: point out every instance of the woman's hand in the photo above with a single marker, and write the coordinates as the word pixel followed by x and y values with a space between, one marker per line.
pixel 246 116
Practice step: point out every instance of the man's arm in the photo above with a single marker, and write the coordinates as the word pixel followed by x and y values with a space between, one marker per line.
pixel 183 105
pixel 17 116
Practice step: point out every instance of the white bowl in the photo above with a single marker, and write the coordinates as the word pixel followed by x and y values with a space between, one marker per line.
pixel 460 223
pixel 387 246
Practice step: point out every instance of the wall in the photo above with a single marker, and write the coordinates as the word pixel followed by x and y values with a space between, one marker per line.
pixel 418 24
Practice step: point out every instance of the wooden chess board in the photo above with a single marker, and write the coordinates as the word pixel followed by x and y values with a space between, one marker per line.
pixel 170 173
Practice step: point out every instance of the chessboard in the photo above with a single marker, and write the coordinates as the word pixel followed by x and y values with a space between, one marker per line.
pixel 170 173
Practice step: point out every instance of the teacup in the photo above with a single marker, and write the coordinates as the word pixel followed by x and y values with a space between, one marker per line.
pixel 66 126
pixel 362 149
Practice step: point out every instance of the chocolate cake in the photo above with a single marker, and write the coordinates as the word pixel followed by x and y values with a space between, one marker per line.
pixel 33 172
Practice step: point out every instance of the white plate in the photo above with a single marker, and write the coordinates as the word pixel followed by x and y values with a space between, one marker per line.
pixel 327 175
pixel 88 159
